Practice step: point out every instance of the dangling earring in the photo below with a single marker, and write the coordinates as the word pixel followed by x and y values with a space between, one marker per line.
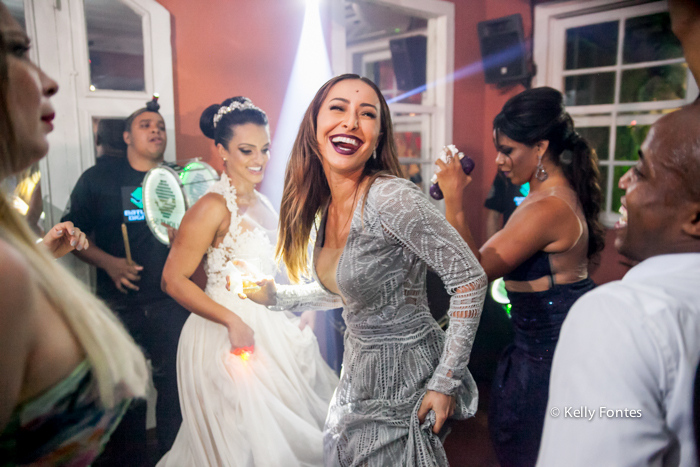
pixel 374 154
pixel 541 174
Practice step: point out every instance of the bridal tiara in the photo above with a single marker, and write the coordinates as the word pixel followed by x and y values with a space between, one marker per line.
pixel 235 105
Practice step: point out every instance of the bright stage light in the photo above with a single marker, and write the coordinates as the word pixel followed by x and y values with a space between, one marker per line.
pixel 311 70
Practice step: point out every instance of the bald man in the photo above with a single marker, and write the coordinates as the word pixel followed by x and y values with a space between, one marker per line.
pixel 621 388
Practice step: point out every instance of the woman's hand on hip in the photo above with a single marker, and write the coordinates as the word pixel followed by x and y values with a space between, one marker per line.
pixel 443 406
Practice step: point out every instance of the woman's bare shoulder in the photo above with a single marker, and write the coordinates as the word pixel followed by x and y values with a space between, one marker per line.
pixel 210 206
pixel 544 209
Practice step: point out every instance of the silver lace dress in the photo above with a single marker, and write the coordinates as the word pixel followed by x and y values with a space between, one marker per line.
pixel 394 349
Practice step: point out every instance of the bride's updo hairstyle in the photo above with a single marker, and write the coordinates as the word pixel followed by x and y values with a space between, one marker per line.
pixel 537 115
pixel 306 189
pixel 218 120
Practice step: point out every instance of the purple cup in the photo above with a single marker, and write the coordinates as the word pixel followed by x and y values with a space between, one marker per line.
pixel 467 165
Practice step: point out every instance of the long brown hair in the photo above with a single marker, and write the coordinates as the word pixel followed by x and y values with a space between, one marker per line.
pixel 306 189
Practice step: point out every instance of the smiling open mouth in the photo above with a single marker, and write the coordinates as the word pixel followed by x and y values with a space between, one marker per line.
pixel 345 144
pixel 255 169
pixel 622 223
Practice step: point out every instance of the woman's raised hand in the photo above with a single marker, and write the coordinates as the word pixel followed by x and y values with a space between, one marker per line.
pixel 451 176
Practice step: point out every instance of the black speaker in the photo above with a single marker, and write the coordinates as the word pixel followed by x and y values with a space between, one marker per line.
pixel 503 49
pixel 408 57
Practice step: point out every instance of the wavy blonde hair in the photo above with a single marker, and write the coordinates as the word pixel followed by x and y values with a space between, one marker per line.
pixel 117 363
pixel 306 189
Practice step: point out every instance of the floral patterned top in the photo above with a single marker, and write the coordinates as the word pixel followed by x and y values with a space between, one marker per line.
pixel 65 426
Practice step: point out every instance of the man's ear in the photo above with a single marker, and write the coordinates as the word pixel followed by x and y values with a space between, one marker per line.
pixel 127 138
pixel 692 224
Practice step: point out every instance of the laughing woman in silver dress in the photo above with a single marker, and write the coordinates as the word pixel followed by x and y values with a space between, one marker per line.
pixel 376 234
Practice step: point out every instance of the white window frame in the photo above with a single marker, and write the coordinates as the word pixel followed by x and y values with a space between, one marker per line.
pixel 551 23
pixel 436 113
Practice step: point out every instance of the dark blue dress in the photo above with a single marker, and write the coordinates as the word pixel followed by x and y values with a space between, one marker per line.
pixel 521 385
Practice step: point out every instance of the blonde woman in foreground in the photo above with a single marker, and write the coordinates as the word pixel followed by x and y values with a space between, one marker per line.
pixel 68 369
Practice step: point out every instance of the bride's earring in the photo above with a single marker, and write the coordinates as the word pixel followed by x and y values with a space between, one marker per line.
pixel 541 174
pixel 374 154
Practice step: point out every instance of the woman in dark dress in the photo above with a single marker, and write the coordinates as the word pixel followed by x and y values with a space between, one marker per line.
pixel 542 253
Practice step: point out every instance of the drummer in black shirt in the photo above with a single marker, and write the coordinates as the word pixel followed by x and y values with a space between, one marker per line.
pixel 107 195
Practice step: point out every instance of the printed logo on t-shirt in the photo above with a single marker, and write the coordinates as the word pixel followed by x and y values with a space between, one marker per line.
pixel 132 204
pixel 524 191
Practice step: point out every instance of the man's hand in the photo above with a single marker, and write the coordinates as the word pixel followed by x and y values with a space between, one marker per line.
pixel 64 238
pixel 443 406
pixel 123 274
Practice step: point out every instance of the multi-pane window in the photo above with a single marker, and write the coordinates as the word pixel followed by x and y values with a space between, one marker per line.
pixel 620 70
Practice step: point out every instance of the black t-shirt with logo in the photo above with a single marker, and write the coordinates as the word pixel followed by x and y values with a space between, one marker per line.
pixel 107 195
pixel 504 196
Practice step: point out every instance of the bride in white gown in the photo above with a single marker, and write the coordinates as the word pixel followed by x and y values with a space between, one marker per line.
pixel 266 408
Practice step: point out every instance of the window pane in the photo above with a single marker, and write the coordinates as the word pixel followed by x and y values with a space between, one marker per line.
pixel 629 140
pixel 115 45
pixel 649 38
pixel 592 46
pixel 383 75
pixel 618 192
pixel 109 137
pixel 593 89
pixel 16 8
pixel 599 139
pixel 408 145
pixel 413 173
pixel 659 83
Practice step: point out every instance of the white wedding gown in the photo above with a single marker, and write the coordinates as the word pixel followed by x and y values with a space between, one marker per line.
pixel 268 410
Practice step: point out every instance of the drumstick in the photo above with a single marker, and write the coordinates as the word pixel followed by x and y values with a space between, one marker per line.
pixel 125 235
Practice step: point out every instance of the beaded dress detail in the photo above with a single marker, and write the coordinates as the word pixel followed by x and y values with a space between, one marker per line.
pixel 394 349
pixel 264 411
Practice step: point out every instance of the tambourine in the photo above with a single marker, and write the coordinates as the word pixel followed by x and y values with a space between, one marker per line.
pixel 170 189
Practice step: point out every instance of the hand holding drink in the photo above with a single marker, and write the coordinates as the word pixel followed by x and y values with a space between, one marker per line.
pixel 242 277
pixel 447 155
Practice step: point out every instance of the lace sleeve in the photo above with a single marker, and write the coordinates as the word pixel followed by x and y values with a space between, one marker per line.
pixel 305 297
pixel 410 219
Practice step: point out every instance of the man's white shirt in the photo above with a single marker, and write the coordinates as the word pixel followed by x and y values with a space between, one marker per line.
pixel 621 388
